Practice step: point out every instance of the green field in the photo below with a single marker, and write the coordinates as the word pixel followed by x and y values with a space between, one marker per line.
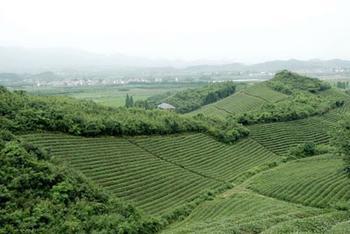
pixel 114 95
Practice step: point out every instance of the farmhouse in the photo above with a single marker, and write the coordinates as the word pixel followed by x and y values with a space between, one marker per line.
pixel 166 106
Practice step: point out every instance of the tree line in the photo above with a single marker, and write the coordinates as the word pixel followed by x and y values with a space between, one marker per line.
pixel 22 112
pixel 191 99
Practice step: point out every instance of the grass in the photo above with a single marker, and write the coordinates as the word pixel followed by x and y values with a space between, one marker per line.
pixel 318 181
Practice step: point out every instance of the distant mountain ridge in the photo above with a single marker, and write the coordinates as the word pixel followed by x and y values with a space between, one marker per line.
pixel 23 60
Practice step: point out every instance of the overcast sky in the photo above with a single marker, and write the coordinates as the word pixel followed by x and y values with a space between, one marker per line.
pixel 239 30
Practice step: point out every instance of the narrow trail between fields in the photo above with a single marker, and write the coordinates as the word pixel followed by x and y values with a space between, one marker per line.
pixel 255 96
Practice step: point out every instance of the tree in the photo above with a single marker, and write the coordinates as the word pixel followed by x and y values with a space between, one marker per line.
pixel 127 101
pixel 131 100
pixel 341 139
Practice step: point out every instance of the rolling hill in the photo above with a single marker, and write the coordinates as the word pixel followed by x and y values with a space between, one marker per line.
pixel 192 183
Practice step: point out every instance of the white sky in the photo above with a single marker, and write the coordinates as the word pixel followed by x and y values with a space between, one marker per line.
pixel 242 30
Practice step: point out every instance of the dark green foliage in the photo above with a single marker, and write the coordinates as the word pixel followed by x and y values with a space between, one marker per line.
pixel 192 99
pixel 304 150
pixel 298 106
pixel 129 101
pixel 224 130
pixel 22 112
pixel 341 139
pixel 37 196
pixel 143 104
pixel 303 100
pixel 287 82
pixel 342 84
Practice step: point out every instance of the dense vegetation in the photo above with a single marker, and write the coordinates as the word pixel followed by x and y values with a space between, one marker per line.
pixel 22 112
pixel 192 99
pixel 288 82
pixel 302 100
pixel 38 196
pixel 298 106
pixel 341 139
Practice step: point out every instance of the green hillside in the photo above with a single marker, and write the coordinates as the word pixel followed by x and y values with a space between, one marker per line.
pixel 229 167
pixel 309 195
pixel 149 171
pixel 208 157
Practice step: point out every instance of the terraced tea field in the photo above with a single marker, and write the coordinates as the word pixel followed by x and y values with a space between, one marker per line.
pixel 200 153
pixel 325 223
pixel 157 174
pixel 317 181
pixel 285 199
pixel 152 184
pixel 250 99
pixel 243 212
pixel 263 92
pixel 279 137
pixel 161 173
pixel 234 104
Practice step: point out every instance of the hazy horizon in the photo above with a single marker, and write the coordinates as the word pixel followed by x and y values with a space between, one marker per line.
pixel 241 31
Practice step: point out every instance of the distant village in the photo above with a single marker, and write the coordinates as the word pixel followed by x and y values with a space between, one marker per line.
pixel 85 79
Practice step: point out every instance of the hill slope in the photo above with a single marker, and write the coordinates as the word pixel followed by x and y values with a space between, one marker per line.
pixel 190 181
pixel 157 174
